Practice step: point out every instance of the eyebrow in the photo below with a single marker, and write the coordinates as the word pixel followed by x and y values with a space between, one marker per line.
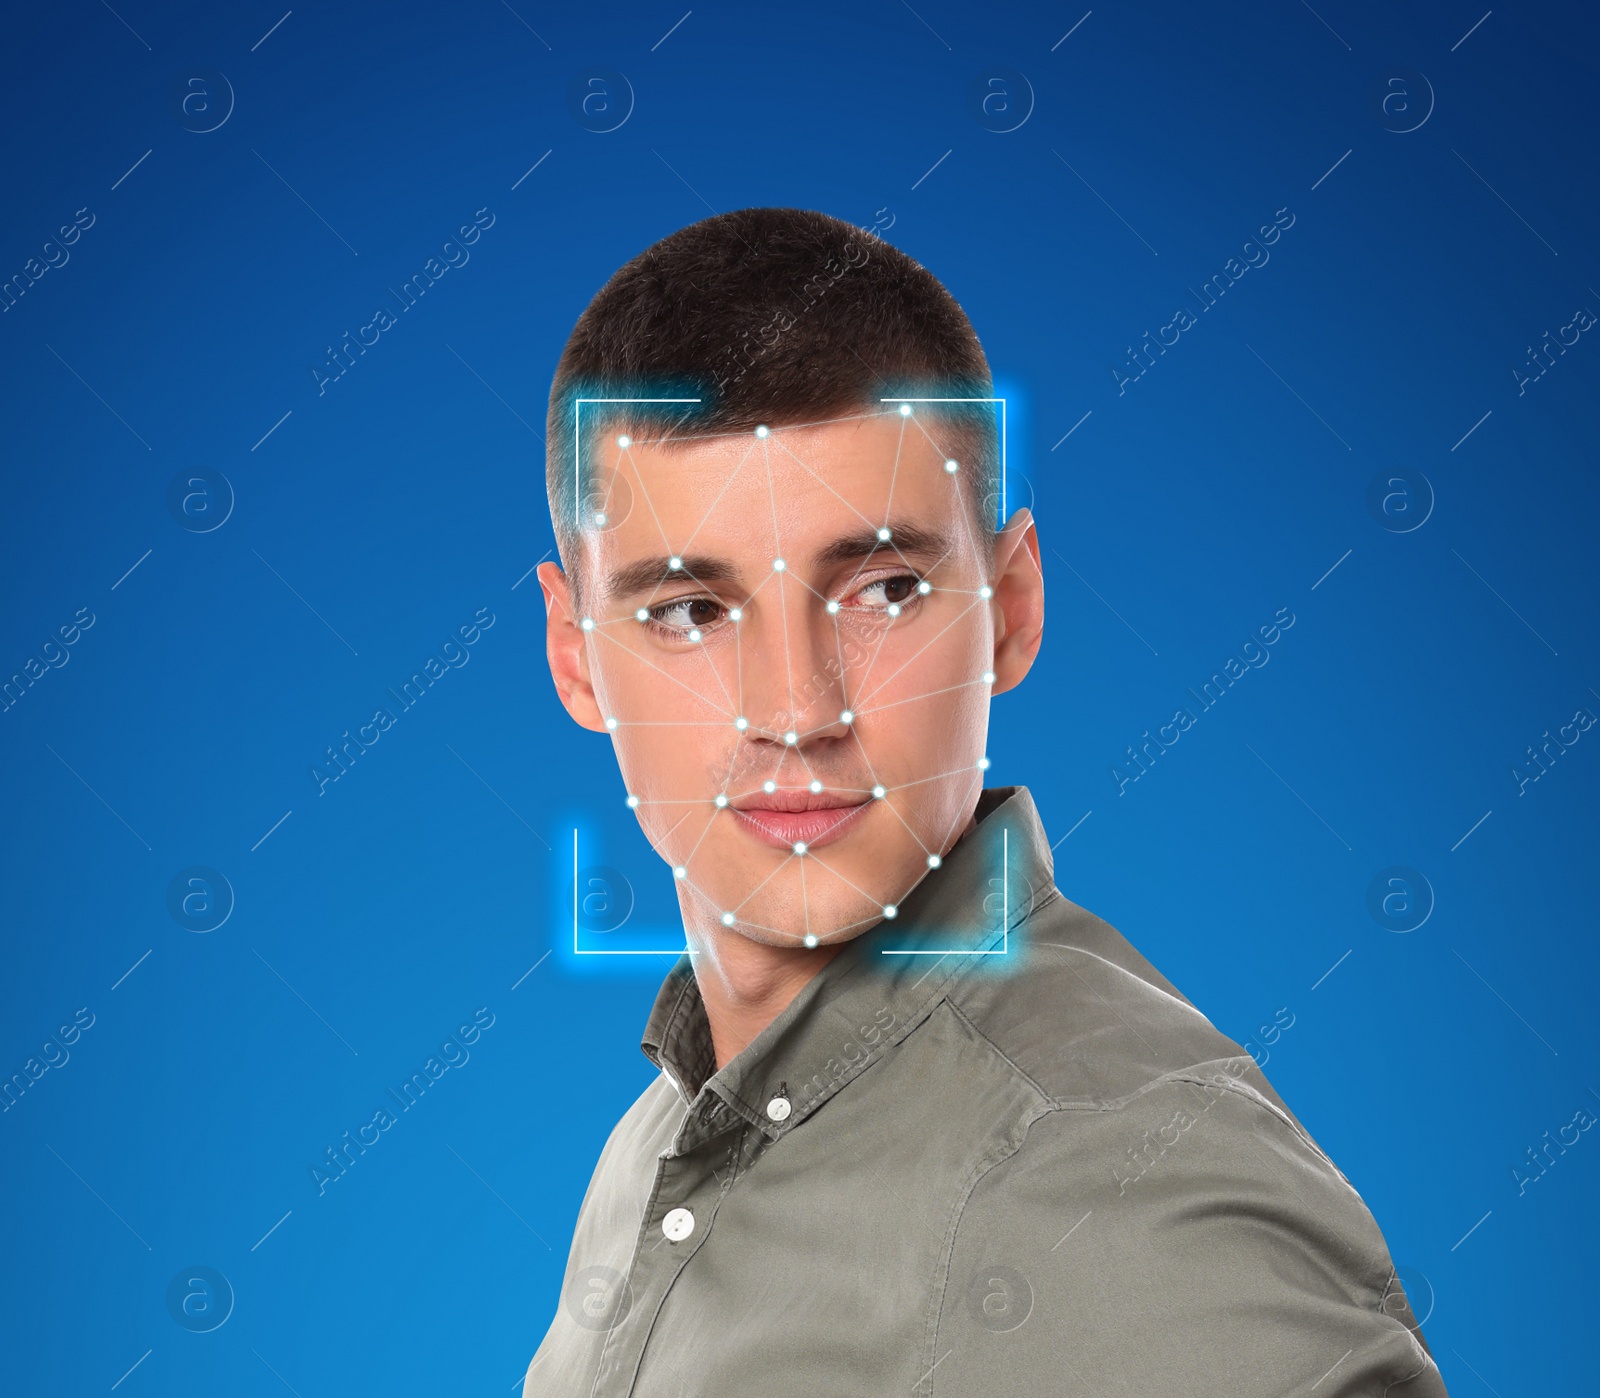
pixel 912 540
pixel 648 574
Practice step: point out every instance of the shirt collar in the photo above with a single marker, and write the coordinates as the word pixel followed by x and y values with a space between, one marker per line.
pixel 877 989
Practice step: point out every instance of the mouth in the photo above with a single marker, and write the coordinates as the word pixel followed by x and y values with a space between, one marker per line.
pixel 784 819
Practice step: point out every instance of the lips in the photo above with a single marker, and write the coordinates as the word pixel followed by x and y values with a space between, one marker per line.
pixel 784 819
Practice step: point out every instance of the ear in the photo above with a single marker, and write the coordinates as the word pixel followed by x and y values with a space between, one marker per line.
pixel 566 647
pixel 1018 602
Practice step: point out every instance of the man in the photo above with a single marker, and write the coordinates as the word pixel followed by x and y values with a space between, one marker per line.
pixel 922 1126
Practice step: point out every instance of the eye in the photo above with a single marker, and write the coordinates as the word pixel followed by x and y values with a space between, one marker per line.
pixel 683 614
pixel 898 589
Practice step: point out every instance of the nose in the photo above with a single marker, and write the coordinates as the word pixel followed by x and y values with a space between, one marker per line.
pixel 793 679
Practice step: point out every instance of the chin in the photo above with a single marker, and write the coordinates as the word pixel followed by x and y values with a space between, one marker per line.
pixel 828 908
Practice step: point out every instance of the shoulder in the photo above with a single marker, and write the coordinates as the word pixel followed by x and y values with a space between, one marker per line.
pixel 1078 1010
pixel 646 1128
pixel 1194 1234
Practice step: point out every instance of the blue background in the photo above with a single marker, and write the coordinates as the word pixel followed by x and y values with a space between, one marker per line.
pixel 380 514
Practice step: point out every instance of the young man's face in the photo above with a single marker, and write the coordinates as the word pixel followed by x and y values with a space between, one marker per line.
pixel 792 638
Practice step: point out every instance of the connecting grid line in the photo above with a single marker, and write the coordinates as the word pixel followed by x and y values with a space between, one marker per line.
pixel 663 39
pixel 577 439
pixel 1336 164
pixel 1075 426
pixel 1002 403
pixel 1475 426
pixel 136 965
pixel 1098 195
pixel 302 999
pixel 1085 816
pixel 936 164
pixel 1063 39
pixel 1324 578
pixel 1485 816
pixel 85 382
pixel 1514 612
pixel 298 195
pixel 1336 965
pixel 1492 190
pixel 146 554
pixel 1463 39
pixel 279 423
pixel 1298 797
pixel 97 796
pixel 1005 915
pixel 687 571
pixel 114 1214
pixel 1463 1238
pixel 140 1360
pixel 136 164
pixel 263 39
pixel 1502 999
pixel 263 1238
pixel 285 816
pixel 540 161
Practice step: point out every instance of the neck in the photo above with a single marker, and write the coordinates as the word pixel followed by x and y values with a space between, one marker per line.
pixel 745 985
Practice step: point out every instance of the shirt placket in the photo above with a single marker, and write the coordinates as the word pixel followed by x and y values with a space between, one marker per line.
pixel 691 1177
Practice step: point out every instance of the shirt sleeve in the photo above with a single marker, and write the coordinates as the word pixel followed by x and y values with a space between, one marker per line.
pixel 1191 1240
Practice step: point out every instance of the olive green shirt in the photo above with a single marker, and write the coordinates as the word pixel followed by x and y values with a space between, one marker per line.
pixel 1019 1164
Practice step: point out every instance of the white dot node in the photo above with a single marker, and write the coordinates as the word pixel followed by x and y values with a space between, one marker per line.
pixel 600 518
pixel 988 676
pixel 833 609
pixel 934 861
pixel 736 615
pixel 694 634
pixel 791 737
pixel 816 786
pixel 679 872
pixel 883 536
pixel 986 592
pixel 633 803
pixel 778 565
pixel 811 939
pixel 893 609
pixel 624 441
pixel 728 919
pixel 983 764
pixel 889 910
pixel 762 431
pixel 879 793
pixel 741 723
pixel 674 563
pixel 722 800
pixel 847 716
pixel 611 723
pixel 924 588
pixel 905 410
pixel 642 614
pixel 951 467
pixel 799 846
pixel 588 623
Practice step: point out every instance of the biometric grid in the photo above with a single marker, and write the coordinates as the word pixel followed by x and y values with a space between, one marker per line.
pixel 860 684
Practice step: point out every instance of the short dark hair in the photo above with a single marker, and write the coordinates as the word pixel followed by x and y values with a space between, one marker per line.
pixel 776 316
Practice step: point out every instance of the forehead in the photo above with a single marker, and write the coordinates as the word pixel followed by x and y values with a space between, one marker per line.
pixel 751 498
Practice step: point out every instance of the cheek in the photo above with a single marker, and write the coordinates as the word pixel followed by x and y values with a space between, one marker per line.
pixel 926 707
pixel 666 763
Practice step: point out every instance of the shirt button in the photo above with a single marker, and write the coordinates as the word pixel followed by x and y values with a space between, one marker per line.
pixel 778 1109
pixel 677 1225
